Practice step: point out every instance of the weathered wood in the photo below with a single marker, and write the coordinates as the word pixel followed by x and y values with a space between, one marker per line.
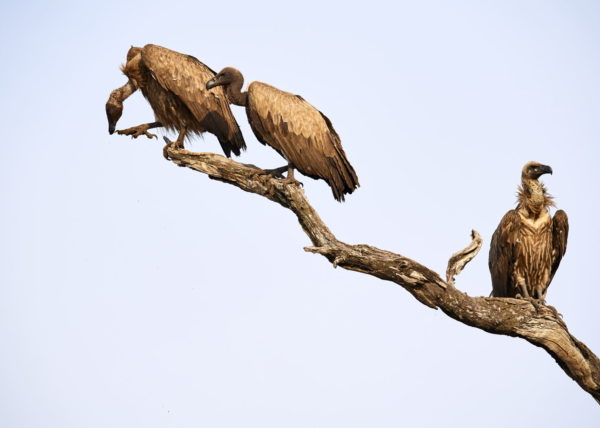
pixel 459 260
pixel 540 325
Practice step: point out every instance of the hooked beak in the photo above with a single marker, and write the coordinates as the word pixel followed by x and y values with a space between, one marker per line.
pixel 212 83
pixel 113 113
pixel 546 169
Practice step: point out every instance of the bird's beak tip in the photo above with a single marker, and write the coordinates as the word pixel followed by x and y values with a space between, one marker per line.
pixel 210 84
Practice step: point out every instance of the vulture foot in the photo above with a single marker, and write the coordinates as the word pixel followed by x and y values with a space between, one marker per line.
pixel 290 177
pixel 291 180
pixel 276 172
pixel 177 145
pixel 537 303
pixel 136 131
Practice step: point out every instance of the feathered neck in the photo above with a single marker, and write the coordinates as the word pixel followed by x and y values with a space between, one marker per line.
pixel 234 90
pixel 119 94
pixel 533 197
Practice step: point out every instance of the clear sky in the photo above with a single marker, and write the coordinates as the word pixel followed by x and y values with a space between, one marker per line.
pixel 134 293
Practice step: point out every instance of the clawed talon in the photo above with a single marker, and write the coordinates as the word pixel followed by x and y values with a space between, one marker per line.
pixel 291 180
pixel 136 131
pixel 177 145
pixel 537 303
pixel 276 172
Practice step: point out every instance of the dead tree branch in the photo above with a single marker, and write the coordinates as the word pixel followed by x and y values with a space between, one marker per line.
pixel 538 324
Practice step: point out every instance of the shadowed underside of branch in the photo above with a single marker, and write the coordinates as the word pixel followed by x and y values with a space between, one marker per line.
pixel 538 324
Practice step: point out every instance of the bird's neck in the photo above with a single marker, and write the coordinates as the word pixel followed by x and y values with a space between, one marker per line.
pixel 533 197
pixel 234 92
pixel 119 94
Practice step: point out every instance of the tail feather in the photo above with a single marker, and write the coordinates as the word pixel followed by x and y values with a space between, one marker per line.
pixel 235 144
pixel 343 179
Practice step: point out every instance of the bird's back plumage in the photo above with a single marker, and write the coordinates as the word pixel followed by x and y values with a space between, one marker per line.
pixel 301 134
pixel 174 84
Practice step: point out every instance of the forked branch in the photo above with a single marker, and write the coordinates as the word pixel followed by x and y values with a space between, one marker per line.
pixel 538 324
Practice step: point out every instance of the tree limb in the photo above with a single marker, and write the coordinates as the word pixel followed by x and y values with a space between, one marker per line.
pixel 538 324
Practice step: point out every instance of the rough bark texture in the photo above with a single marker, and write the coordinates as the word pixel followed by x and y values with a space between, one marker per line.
pixel 538 324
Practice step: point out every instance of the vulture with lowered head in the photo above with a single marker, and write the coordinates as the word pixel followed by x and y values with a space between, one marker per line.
pixel 174 85
pixel 295 129
pixel 528 244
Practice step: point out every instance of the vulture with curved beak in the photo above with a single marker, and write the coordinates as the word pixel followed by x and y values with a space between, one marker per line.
pixel 174 85
pixel 295 129
pixel 528 244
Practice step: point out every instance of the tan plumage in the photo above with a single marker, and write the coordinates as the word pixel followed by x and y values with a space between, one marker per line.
pixel 174 85
pixel 528 245
pixel 294 128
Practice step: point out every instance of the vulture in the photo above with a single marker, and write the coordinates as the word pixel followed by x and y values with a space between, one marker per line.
pixel 294 128
pixel 528 244
pixel 174 85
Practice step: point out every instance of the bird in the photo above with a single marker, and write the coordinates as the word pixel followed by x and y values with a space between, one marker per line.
pixel 174 85
pixel 298 131
pixel 528 245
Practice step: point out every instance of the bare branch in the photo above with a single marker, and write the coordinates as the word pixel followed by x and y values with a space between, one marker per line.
pixel 538 324
pixel 459 260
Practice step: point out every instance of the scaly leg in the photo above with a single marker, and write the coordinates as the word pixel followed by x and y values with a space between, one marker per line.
pixel 136 131
pixel 524 293
pixel 290 176
pixel 540 296
pixel 276 172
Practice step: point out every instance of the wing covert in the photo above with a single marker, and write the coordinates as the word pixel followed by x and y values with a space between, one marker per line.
pixel 560 234
pixel 186 77
pixel 502 254
pixel 301 134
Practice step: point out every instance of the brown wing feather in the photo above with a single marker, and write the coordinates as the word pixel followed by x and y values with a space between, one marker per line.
pixel 560 234
pixel 185 76
pixel 302 135
pixel 502 255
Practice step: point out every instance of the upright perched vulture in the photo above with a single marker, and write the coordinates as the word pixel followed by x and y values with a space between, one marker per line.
pixel 528 244
pixel 295 129
pixel 174 85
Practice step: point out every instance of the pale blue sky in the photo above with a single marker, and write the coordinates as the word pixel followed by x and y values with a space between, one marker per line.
pixel 136 293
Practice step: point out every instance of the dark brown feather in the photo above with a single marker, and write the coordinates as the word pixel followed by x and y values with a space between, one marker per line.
pixel 502 255
pixel 560 234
